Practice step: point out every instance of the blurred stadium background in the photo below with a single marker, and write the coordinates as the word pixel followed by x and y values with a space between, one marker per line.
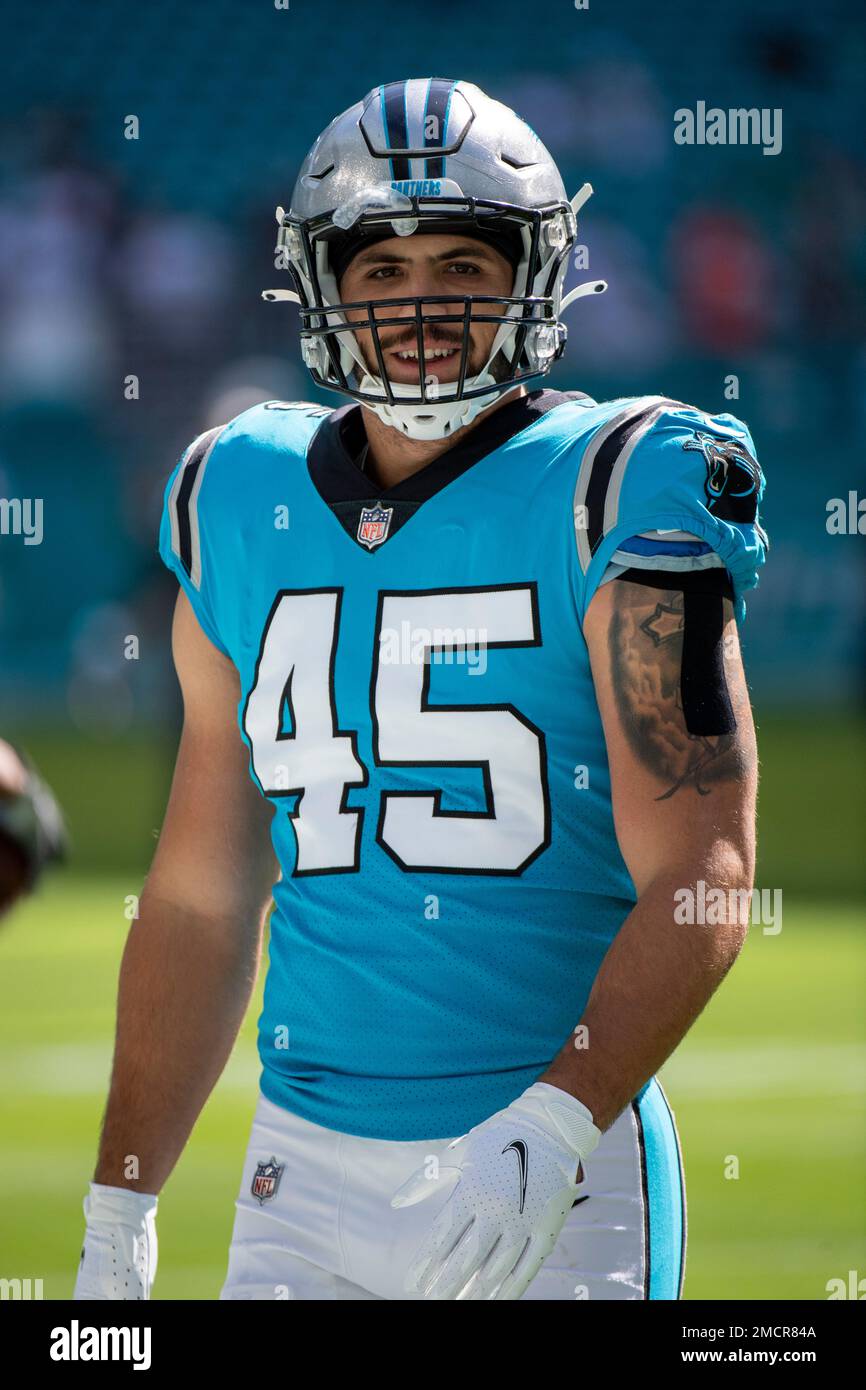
pixel 145 257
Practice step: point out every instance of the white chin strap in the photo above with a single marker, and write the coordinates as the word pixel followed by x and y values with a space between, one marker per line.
pixel 436 419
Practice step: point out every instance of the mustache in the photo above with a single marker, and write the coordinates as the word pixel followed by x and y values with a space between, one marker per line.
pixel 431 337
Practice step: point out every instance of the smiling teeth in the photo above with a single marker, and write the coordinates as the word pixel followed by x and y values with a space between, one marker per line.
pixel 411 355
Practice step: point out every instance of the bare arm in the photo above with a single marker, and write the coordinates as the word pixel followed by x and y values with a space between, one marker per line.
pixel 684 810
pixel 191 958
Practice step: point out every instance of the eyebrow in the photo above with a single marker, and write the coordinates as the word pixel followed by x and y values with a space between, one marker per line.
pixel 478 252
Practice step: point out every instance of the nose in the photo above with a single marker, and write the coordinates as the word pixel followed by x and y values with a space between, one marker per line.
pixel 418 286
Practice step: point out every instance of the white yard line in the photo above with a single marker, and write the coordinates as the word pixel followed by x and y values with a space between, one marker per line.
pixel 80 1069
pixel 798 1067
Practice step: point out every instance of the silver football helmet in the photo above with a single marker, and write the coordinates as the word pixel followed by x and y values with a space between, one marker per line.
pixel 436 155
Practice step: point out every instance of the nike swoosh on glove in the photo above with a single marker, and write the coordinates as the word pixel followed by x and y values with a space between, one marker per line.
pixel 512 1184
pixel 118 1261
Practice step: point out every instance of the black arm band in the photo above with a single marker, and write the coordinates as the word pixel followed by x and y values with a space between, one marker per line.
pixel 706 702
pixel 711 581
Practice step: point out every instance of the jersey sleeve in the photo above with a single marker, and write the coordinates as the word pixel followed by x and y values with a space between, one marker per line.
pixel 665 486
pixel 185 541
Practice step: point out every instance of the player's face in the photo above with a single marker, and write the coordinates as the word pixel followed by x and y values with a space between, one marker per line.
pixel 407 267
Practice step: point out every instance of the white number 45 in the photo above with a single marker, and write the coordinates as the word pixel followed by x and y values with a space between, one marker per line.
pixel 318 762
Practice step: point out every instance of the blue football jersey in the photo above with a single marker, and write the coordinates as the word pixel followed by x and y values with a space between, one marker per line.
pixel 418 704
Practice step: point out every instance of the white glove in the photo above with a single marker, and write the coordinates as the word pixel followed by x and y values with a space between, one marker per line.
pixel 513 1180
pixel 118 1262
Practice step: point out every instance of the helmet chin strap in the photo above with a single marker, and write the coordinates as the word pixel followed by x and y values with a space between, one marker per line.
pixel 433 420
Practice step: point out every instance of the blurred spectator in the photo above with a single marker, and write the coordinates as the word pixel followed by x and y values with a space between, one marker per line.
pixel 55 331
pixel 631 327
pixel 175 279
pixel 725 280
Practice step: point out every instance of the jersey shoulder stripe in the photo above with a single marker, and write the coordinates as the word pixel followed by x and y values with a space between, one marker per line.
pixel 656 467
pixel 281 425
pixel 599 479
pixel 183 503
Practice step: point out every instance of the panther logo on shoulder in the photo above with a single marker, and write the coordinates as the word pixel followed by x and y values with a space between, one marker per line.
pixel 733 478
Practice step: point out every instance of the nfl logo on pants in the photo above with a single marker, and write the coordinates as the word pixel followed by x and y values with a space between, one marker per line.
pixel 266 1180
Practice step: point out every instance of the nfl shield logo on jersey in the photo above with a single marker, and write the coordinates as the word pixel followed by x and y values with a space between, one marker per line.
pixel 374 523
pixel 266 1180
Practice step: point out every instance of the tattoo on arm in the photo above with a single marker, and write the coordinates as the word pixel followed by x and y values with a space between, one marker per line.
pixel 646 646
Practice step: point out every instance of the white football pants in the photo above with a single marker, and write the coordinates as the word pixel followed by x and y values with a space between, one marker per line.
pixel 314 1219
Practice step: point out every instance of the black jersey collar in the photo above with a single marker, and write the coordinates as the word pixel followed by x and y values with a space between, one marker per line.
pixel 341 436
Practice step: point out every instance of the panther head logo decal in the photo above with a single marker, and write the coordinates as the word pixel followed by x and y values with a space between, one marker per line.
pixel 733 478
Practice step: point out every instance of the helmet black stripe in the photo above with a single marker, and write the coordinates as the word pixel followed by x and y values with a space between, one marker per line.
pixel 438 101
pixel 396 126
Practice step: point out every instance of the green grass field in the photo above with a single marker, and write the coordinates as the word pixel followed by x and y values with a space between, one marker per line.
pixel 773 1074
pixel 772 1078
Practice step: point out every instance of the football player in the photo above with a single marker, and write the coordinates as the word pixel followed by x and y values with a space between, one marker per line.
pixel 468 647
pixel 32 831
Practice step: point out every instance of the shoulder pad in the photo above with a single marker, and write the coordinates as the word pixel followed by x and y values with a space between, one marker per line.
pixel 282 425
pixel 654 453
pixel 659 464
pixel 182 502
